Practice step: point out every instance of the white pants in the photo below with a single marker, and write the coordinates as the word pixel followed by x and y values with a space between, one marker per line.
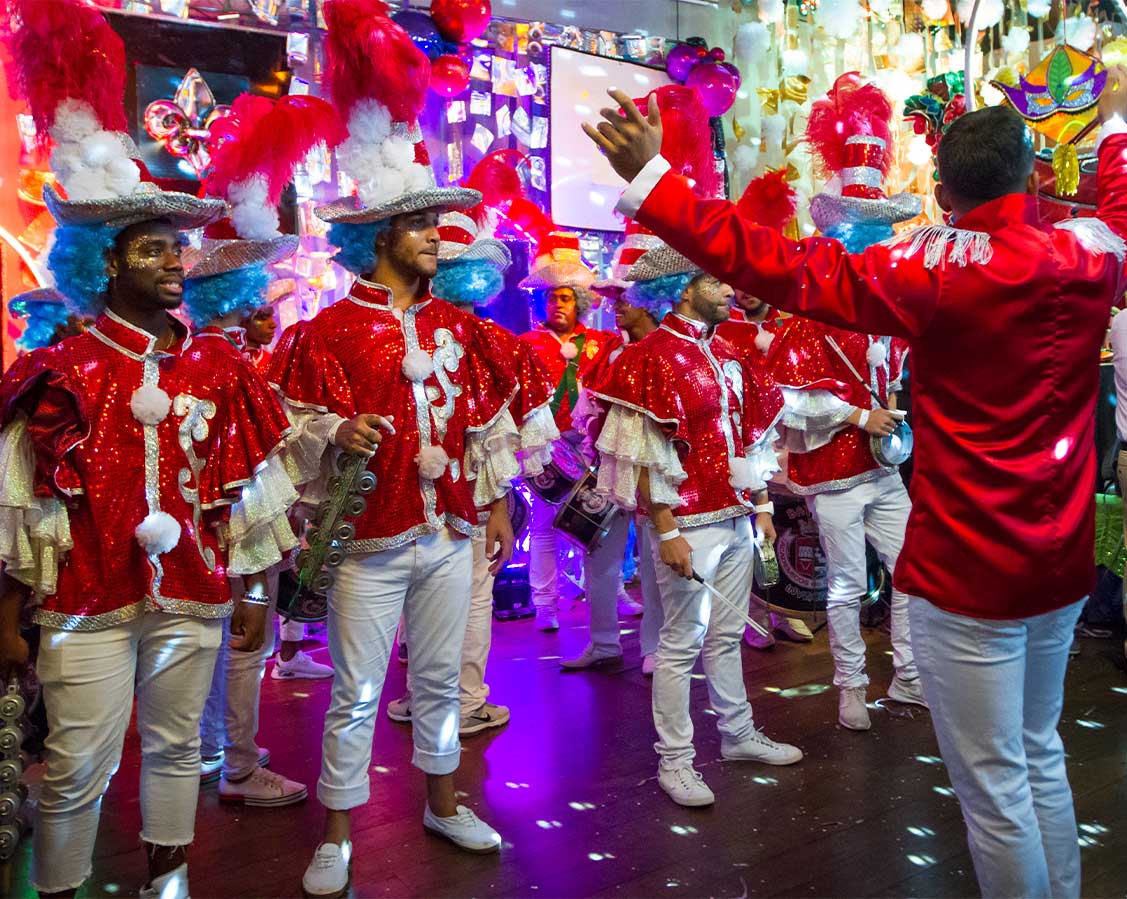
pixel 230 717
pixel 877 510
pixel 89 680
pixel 428 583
pixel 995 689
pixel 652 616
pixel 543 552
pixel 603 569
pixel 694 621
pixel 472 689
pixel 290 631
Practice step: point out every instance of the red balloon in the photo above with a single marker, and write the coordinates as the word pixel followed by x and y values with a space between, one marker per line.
pixel 449 75
pixel 461 20
pixel 716 54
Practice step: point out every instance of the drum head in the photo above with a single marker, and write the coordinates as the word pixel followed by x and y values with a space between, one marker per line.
pixel 896 448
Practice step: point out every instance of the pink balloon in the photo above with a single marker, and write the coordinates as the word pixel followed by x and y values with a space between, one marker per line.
pixel 728 67
pixel 461 20
pixel 680 60
pixel 716 85
pixel 449 75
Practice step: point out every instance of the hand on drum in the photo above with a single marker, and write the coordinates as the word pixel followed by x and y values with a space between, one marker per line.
pixel 882 422
pixel 765 528
pixel 678 555
pixel 498 536
pixel 360 436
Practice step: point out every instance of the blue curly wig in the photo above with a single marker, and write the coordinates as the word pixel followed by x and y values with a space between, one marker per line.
pixel 357 245
pixel 206 299
pixel 860 236
pixel 40 322
pixel 467 281
pixel 78 262
pixel 658 295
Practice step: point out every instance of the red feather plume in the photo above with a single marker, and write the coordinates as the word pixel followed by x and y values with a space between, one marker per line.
pixel 498 179
pixel 852 106
pixel 524 219
pixel 64 49
pixel 769 201
pixel 267 138
pixel 686 140
pixel 370 57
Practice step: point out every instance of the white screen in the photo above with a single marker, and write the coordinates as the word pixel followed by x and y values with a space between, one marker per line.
pixel 585 188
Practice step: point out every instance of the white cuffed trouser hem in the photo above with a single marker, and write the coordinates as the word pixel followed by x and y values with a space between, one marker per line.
pixel 696 624
pixel 436 762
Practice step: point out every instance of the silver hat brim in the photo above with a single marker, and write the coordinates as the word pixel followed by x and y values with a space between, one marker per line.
pixel 349 211
pixel 559 274
pixel 658 263
pixel 487 248
pixel 183 211
pixel 828 210
pixel 228 255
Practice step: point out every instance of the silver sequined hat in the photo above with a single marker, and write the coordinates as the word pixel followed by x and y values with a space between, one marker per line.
pixel 458 240
pixel 217 257
pixel 861 199
pixel 659 262
pixel 145 204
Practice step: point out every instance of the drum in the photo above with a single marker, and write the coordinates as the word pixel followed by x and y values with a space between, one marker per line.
pixel 896 448
pixel 519 512
pixel 556 482
pixel 585 517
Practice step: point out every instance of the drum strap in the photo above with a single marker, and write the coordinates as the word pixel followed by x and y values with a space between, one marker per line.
pixel 855 373
pixel 569 383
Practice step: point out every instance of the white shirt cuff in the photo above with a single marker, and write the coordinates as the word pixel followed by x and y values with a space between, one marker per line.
pixel 644 183
pixel 1114 125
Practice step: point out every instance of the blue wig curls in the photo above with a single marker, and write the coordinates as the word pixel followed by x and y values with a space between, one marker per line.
pixel 860 236
pixel 658 295
pixel 206 299
pixel 469 281
pixel 41 320
pixel 78 262
pixel 357 245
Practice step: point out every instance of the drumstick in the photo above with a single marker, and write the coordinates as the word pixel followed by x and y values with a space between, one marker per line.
pixel 751 622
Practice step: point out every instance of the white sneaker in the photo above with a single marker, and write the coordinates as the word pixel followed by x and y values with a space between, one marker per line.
pixel 400 709
pixel 627 607
pixel 489 715
pixel 465 830
pixel 263 788
pixel 327 874
pixel 685 786
pixel 852 713
pixel 756 640
pixel 173 885
pixel 593 658
pixel 547 620
pixel 300 667
pixel 648 664
pixel 907 691
pixel 793 629
pixel 211 768
pixel 760 748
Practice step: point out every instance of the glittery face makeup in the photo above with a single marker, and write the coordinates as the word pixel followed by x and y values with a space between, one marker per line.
pixel 145 267
pixel 562 314
pixel 411 243
pixel 261 326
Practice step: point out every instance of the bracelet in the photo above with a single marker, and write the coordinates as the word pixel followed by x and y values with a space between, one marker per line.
pixel 256 599
pixel 864 419
pixel 669 535
pixel 768 508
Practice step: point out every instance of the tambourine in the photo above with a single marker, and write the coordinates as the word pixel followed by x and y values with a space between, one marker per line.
pixel 894 449
pixel 766 565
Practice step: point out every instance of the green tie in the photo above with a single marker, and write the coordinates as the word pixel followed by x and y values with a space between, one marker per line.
pixel 569 383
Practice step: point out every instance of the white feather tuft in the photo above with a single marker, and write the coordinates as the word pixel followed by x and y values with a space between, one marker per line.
pixel 770 10
pixel 1080 32
pixel 935 10
pixel 418 366
pixel 752 41
pixel 771 141
pixel 795 63
pixel 1016 42
pixel 99 149
pixel 397 153
pixel 990 13
pixel 149 404
pixel 122 176
pixel 75 121
pixel 369 123
pixel 158 533
pixel 86 184
pixel 877 354
pixel 1039 8
pixel 432 462
pixel 840 18
pixel 252 215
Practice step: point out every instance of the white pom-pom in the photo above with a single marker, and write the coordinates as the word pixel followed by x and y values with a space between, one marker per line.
pixel 877 354
pixel 745 159
pixel 418 366
pixel 369 122
pixel 99 148
pixel 569 350
pixel 158 533
pixel 1016 42
pixel 74 122
pixel 770 10
pixel 397 153
pixel 86 184
pixel 1039 8
pixel 382 188
pixel 935 10
pixel 122 176
pixel 763 341
pixel 771 141
pixel 742 473
pixel 752 41
pixel 417 177
pixel 840 18
pixel 149 404
pixel 989 12
pixel 1080 32
pixel 795 63
pixel 432 462
pixel 65 160
pixel 880 7
pixel 910 48
pixel 252 215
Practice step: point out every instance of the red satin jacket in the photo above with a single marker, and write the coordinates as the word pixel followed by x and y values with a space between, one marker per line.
pixel 1005 317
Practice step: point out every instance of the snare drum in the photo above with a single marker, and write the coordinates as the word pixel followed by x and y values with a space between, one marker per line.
pixel 585 516
pixel 559 477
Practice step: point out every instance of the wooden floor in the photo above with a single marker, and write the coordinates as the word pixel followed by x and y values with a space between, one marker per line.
pixel 570 784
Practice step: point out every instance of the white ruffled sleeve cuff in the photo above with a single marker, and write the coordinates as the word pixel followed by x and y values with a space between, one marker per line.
pixel 628 443
pixel 491 459
pixel 753 470
pixel 34 530
pixel 538 432
pixel 310 436
pixel 811 418
pixel 258 532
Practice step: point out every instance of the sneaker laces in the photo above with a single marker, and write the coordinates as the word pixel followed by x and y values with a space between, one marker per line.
pixel 325 857
pixel 761 739
pixel 689 777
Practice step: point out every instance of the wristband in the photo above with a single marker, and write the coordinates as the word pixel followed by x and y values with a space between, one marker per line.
pixel 256 599
pixel 864 419
pixel 669 535
pixel 768 508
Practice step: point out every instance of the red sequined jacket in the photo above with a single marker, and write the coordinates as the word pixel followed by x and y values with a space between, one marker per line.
pixel 752 337
pixel 447 385
pixel 550 350
pixel 1005 316
pixel 685 404
pixel 119 434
